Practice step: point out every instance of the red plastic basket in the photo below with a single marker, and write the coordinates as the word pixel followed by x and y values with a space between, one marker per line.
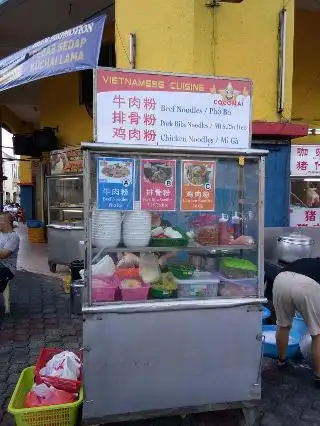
pixel 64 384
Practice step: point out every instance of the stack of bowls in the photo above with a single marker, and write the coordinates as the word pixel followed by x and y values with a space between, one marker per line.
pixel 137 227
pixel 106 228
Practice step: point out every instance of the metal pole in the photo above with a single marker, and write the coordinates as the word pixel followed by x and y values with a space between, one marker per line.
pixel 1 163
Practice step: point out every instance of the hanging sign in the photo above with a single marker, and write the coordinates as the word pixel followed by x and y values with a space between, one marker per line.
pixel 305 160
pixel 158 184
pixel 305 217
pixel 197 185
pixel 66 161
pixel 71 50
pixel 134 108
pixel 115 190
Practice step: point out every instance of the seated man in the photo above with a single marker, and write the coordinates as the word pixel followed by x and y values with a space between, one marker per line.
pixel 9 247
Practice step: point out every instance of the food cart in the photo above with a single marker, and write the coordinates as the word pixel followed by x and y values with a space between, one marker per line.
pixel 174 200
pixel 65 207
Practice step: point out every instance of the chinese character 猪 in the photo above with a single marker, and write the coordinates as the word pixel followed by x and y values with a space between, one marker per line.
pixel 310 215
pixel 120 133
pixel 190 194
pixel 134 134
pixel 149 135
pixel 302 165
pixel 149 103
pixel 118 117
pixel 149 119
pixel 134 118
pixel 119 100
pixel 134 102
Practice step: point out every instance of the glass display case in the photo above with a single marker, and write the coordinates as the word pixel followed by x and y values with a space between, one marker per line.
pixel 180 227
pixel 65 199
pixel 65 219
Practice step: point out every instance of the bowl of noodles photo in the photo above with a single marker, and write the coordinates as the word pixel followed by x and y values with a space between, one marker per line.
pixel 198 174
pixel 157 172
pixel 117 170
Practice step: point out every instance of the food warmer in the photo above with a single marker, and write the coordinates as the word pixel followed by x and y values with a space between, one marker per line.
pixel 175 324
pixel 65 219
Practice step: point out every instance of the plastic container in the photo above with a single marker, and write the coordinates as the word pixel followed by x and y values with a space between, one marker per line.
pixel 64 384
pixel 265 315
pixel 202 284
pixel 104 290
pixel 270 348
pixel 208 235
pixel 223 230
pixel 55 415
pixel 127 272
pixel 242 287
pixel 171 242
pixel 183 271
pixel 157 293
pixel 298 325
pixel 35 224
pixel 134 294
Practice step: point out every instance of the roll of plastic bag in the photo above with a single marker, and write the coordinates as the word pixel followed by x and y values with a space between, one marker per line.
pixel 305 347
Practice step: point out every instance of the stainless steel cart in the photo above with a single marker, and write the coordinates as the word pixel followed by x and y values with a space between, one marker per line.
pixel 65 219
pixel 177 355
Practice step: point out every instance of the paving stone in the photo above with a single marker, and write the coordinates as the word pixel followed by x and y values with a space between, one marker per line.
pixel 271 419
pixel 7 420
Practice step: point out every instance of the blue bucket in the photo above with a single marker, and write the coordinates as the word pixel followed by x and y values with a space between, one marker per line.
pixel 266 314
pixel 270 348
pixel 298 325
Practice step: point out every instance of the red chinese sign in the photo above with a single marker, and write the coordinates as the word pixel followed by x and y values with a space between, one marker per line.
pixel 158 184
pixel 302 217
pixel 305 160
pixel 138 108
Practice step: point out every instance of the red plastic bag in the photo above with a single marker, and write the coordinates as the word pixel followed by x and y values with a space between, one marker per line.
pixel 43 395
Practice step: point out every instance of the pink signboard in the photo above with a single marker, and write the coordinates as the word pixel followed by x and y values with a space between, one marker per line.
pixel 158 184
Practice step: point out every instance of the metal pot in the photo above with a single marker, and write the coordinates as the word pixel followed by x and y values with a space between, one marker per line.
pixel 293 247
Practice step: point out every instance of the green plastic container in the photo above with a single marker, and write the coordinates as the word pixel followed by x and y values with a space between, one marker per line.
pixel 183 271
pixel 171 242
pixel 157 293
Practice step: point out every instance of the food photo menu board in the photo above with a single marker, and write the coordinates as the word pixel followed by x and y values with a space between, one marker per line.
pixel 197 185
pixel 115 186
pixel 118 180
pixel 158 184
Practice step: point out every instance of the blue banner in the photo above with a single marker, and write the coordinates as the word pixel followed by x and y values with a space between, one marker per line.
pixel 115 183
pixel 72 50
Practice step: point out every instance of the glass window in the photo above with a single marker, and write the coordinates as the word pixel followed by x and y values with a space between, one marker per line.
pixel 169 227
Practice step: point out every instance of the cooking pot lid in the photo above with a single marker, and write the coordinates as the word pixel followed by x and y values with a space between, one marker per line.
pixel 296 238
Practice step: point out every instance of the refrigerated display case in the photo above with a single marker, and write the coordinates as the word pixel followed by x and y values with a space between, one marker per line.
pixel 65 219
pixel 174 280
